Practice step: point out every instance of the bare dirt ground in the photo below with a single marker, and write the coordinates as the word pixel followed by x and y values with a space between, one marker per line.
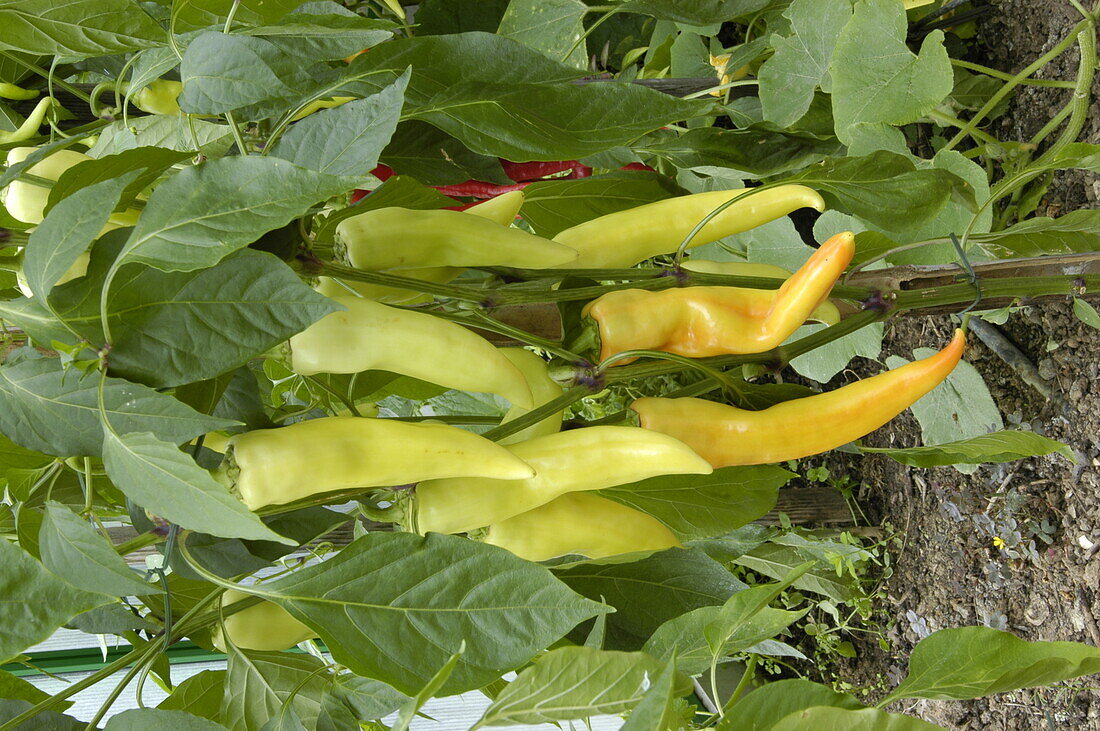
pixel 950 572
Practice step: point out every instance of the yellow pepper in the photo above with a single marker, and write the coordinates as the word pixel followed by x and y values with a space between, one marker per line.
pixel 726 435
pixel 30 125
pixel 544 389
pixel 263 626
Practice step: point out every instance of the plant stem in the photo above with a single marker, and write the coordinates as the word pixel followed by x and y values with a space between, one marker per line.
pixel 746 679
pixel 459 292
pixel 1008 77
pixel 46 75
pixel 138 542
pixel 534 416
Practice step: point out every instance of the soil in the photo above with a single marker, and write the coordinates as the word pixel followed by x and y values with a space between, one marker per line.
pixel 949 572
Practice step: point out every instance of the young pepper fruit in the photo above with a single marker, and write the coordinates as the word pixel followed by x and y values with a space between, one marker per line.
pixel 580 523
pixel 263 626
pixel 625 238
pixel 569 461
pixel 501 210
pixel 726 435
pixel 30 125
pixel 391 238
pixel 369 335
pixel 697 322
pixel 279 466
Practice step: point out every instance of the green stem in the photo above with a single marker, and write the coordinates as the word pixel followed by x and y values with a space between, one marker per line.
pixel 1012 83
pixel 485 322
pixel 1008 77
pixel 696 389
pixel 452 419
pixel 138 542
pixel 610 11
pixel 534 416
pixel 236 131
pixel 459 292
pixel 117 691
pixel 46 75
pixel 977 134
pixel 746 679
pixel 1007 287
pixel 348 403
pixel 1086 72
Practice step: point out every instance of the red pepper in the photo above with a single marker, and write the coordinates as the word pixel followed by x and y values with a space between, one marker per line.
pixel 478 189
pixel 637 166
pixel 527 171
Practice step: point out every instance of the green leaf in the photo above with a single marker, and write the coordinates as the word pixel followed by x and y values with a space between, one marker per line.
pixel 201 214
pixel 650 592
pixel 67 231
pixel 325 37
pixel 162 479
pixel 362 699
pixel 438 17
pixel 776 561
pixel 390 608
pixel 701 506
pixel 1079 155
pixel 753 150
pixel 199 695
pixel 171 131
pixel 971 662
pixel 14 456
pixel 876 78
pixel 149 162
pixel 801 61
pixel 142 719
pixel 1086 313
pixel 45 408
pixel 433 157
pixel 171 328
pixel 408 711
pixel 226 72
pixel 827 718
pixel 885 188
pixel 259 683
pixel 551 27
pixel 695 12
pixel 1002 446
pixel 196 14
pixel 15 688
pixel 345 140
pixel 73 550
pixel 110 619
pixel 34 601
pixel 1074 233
pixel 698 638
pixel 959 408
pixel 80 28
pixel 43 721
pixel 761 709
pixel 651 713
pixel 552 206
pixel 571 683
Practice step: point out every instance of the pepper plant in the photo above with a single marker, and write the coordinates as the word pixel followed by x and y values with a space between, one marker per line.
pixel 257 260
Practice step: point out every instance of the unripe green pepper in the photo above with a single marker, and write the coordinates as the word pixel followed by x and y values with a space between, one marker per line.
pixel 11 91
pixel 580 523
pixel 569 461
pixel 399 238
pixel 625 238
pixel 544 389
pixel 30 125
pixel 26 201
pixel 263 626
pixel 371 336
pixel 502 209
pixel 280 466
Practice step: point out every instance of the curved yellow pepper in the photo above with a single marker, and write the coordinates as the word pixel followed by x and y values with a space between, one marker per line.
pixel 580 523
pixel 279 466
pixel 569 461
pixel 624 238
pixel 726 435
pixel 697 322
pixel 263 626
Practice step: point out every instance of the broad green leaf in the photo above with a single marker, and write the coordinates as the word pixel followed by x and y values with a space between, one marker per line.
pixel 438 17
pixel 761 709
pixel 171 328
pixel 199 695
pixel 201 214
pixel 73 550
pixel 758 152
pixel 1078 155
pixel 695 12
pixel 697 638
pixel 776 561
pixel 971 662
pixel 142 719
pixel 45 408
pixel 1002 446
pixel 551 27
pixel 40 153
pixel 649 592
pixel 1074 233
pixel 958 408
pixel 257 684
pixel 44 721
pixel 34 602
pixel 1086 313
pixel 345 140
pixel 14 456
pixel 80 28
pixel 67 231
pixel 801 61
pixel 357 698
pixel 433 157
pixel 163 131
pixel 571 683
pixel 160 478
pixel 195 14
pixel 829 718
pixel 392 597
pixel 110 619
pixel 876 78
pixel 15 688
pixel 651 713
pixel 701 506
pixel 552 206
pixel 822 364
pixel 225 72
pixel 327 37
pixel 148 162
pixel 409 711
pixel 885 188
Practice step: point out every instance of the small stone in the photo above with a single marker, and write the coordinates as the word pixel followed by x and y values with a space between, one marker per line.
pixel 1047 371
pixel 1084 542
